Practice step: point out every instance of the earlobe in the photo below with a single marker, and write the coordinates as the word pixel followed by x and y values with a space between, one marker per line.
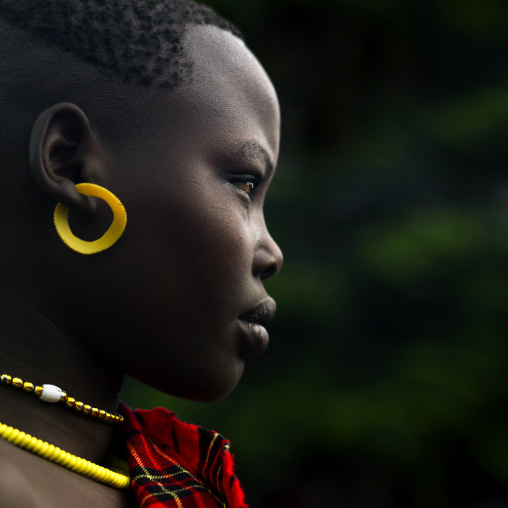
pixel 59 155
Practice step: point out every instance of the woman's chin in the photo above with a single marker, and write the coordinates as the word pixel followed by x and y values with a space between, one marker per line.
pixel 208 386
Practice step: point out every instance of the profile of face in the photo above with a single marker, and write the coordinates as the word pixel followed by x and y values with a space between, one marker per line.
pixel 182 302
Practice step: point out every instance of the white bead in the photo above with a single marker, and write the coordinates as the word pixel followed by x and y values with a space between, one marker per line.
pixel 50 393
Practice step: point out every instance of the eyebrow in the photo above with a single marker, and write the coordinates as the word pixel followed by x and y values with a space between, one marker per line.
pixel 254 151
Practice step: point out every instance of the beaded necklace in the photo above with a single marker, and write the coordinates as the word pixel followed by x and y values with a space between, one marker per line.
pixel 62 458
pixel 54 394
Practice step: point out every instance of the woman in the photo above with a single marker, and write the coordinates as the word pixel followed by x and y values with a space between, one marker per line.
pixel 164 111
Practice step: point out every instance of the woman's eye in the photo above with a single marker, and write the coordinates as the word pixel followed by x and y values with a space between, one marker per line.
pixel 247 187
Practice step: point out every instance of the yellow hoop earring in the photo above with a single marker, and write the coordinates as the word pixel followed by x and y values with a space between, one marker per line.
pixel 114 232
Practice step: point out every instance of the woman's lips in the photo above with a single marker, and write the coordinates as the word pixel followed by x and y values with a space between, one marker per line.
pixel 253 323
pixel 257 339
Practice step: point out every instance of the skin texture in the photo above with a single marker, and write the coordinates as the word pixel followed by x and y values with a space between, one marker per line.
pixel 168 303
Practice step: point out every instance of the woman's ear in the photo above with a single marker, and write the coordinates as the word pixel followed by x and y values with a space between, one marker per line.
pixel 60 155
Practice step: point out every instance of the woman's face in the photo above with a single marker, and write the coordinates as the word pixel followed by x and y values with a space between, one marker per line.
pixel 187 275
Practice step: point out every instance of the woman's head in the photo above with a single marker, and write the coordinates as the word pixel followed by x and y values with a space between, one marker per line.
pixel 190 160
pixel 94 52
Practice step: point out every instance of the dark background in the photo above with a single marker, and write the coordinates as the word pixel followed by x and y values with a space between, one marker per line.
pixel 385 384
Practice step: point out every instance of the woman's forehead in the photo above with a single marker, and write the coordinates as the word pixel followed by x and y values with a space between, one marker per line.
pixel 218 57
pixel 229 92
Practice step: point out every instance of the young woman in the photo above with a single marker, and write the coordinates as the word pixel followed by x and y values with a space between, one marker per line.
pixel 138 142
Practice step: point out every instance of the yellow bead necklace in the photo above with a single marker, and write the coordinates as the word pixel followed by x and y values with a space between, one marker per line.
pixel 65 459
pixel 54 394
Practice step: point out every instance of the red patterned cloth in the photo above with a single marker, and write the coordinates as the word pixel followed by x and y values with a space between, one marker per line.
pixel 176 464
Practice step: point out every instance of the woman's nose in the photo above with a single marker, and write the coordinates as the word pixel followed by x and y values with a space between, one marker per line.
pixel 268 259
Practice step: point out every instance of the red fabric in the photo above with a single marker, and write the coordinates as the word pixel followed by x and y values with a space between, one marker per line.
pixel 176 464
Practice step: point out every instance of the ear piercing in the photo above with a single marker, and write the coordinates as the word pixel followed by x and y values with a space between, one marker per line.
pixel 110 237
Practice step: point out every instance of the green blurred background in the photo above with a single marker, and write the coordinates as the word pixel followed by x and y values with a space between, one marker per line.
pixel 385 384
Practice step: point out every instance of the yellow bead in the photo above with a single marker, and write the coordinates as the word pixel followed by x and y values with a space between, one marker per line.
pixel 14 435
pixel 63 396
pixel 66 459
pixel 19 438
pixel 95 412
pixel 102 414
pixel 78 406
pixel 31 443
pixel 82 465
pixel 49 451
pixel 70 401
pixel 30 446
pixel 88 468
pixel 5 379
pixel 38 391
pixel 38 446
pixel 28 387
pixel 55 454
pixel 43 449
pixel 58 456
pixel 78 465
pixel 87 408
pixel 17 382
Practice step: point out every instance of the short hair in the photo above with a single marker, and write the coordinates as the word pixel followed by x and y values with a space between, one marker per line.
pixel 138 40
